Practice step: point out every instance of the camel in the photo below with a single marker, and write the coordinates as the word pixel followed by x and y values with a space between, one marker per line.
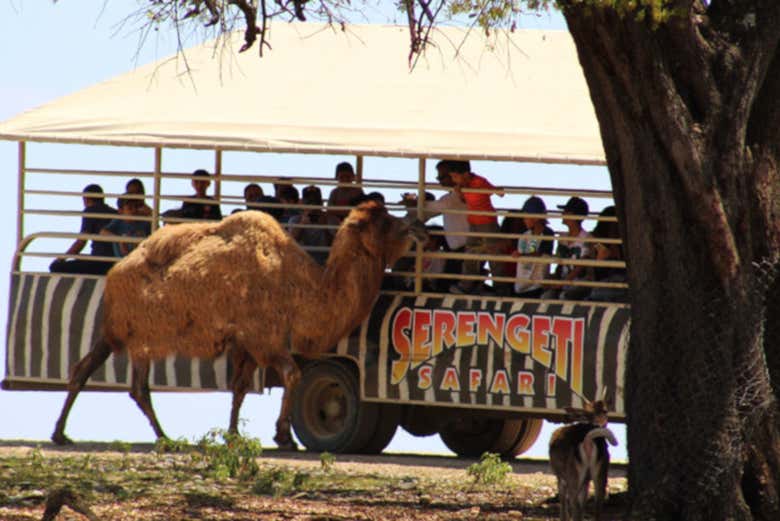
pixel 245 286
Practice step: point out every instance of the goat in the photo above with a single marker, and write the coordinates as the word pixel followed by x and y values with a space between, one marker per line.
pixel 579 454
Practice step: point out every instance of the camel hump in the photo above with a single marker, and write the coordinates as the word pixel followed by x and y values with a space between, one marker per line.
pixel 169 243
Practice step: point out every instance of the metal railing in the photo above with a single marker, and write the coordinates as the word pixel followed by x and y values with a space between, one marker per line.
pixel 235 200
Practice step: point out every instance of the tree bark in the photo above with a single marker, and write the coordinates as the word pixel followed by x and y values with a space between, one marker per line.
pixel 689 116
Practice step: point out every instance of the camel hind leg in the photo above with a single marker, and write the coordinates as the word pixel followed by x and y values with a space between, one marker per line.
pixel 79 376
pixel 288 370
pixel 139 392
pixel 243 369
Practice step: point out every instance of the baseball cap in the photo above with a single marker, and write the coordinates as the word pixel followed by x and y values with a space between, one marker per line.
pixel 575 205
pixel 534 204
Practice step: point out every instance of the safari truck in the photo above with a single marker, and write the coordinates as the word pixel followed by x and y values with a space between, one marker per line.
pixel 482 370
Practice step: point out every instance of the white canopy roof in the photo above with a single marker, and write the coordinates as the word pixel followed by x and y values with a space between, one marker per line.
pixel 518 96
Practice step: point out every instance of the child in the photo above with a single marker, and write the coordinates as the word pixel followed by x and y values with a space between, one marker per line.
pixel 529 275
pixel 343 195
pixel 575 247
pixel 127 227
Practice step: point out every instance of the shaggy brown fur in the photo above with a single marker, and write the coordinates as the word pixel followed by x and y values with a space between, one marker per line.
pixel 242 285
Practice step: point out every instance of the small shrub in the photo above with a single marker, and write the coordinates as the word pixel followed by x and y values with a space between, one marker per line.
pixel 167 445
pixel 36 457
pixel 124 448
pixel 279 481
pixel 327 460
pixel 490 470
pixel 121 446
pixel 230 455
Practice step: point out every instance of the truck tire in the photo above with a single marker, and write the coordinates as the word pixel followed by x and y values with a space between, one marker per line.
pixel 328 414
pixel 386 425
pixel 527 436
pixel 420 421
pixel 470 436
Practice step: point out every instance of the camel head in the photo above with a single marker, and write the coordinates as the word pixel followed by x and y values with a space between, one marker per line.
pixel 381 234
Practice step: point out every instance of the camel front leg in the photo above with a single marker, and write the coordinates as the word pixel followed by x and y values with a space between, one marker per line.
pixel 139 391
pixel 79 376
pixel 288 370
pixel 243 369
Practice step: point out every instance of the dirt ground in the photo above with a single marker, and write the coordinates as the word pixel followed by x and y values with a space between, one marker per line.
pixel 134 482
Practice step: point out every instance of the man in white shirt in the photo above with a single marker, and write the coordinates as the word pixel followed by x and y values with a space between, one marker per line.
pixel 453 222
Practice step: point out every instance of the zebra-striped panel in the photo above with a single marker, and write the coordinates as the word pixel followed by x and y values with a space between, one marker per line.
pixel 53 320
pixel 493 353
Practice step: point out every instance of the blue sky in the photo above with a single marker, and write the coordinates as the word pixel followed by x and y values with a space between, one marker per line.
pixel 49 50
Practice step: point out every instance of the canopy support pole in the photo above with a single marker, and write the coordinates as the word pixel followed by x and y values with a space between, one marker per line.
pixel 157 183
pixel 20 192
pixel 418 252
pixel 359 169
pixel 218 175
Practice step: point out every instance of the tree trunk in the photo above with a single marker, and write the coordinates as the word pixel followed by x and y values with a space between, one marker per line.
pixel 691 128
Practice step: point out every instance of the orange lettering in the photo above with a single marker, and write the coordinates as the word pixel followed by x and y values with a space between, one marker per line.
pixel 421 336
pixel 517 335
pixel 541 334
pixel 401 323
pixel 550 385
pixel 492 326
pixel 500 383
pixel 525 383
pixel 466 335
pixel 443 331
pixel 424 380
pixel 577 356
pixel 475 379
pixel 450 382
pixel 562 337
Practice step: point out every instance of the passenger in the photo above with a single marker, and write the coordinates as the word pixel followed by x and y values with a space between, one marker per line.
pixel 265 204
pixel 253 193
pixel 316 237
pixel 343 195
pixel 136 187
pixel 124 227
pixel 435 244
pixel 454 223
pixel 509 226
pixel 198 210
pixel 93 204
pixel 256 200
pixel 574 211
pixel 278 184
pixel 376 196
pixel 529 276
pixel 288 195
pixel 608 252
pixel 463 178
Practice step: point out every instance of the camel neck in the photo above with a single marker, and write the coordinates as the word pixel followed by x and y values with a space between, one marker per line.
pixel 350 286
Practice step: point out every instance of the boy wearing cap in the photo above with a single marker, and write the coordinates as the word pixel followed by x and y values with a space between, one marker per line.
pixel 463 177
pixel 530 274
pixel 571 246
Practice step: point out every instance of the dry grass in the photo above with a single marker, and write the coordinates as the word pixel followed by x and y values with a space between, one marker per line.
pixel 123 482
